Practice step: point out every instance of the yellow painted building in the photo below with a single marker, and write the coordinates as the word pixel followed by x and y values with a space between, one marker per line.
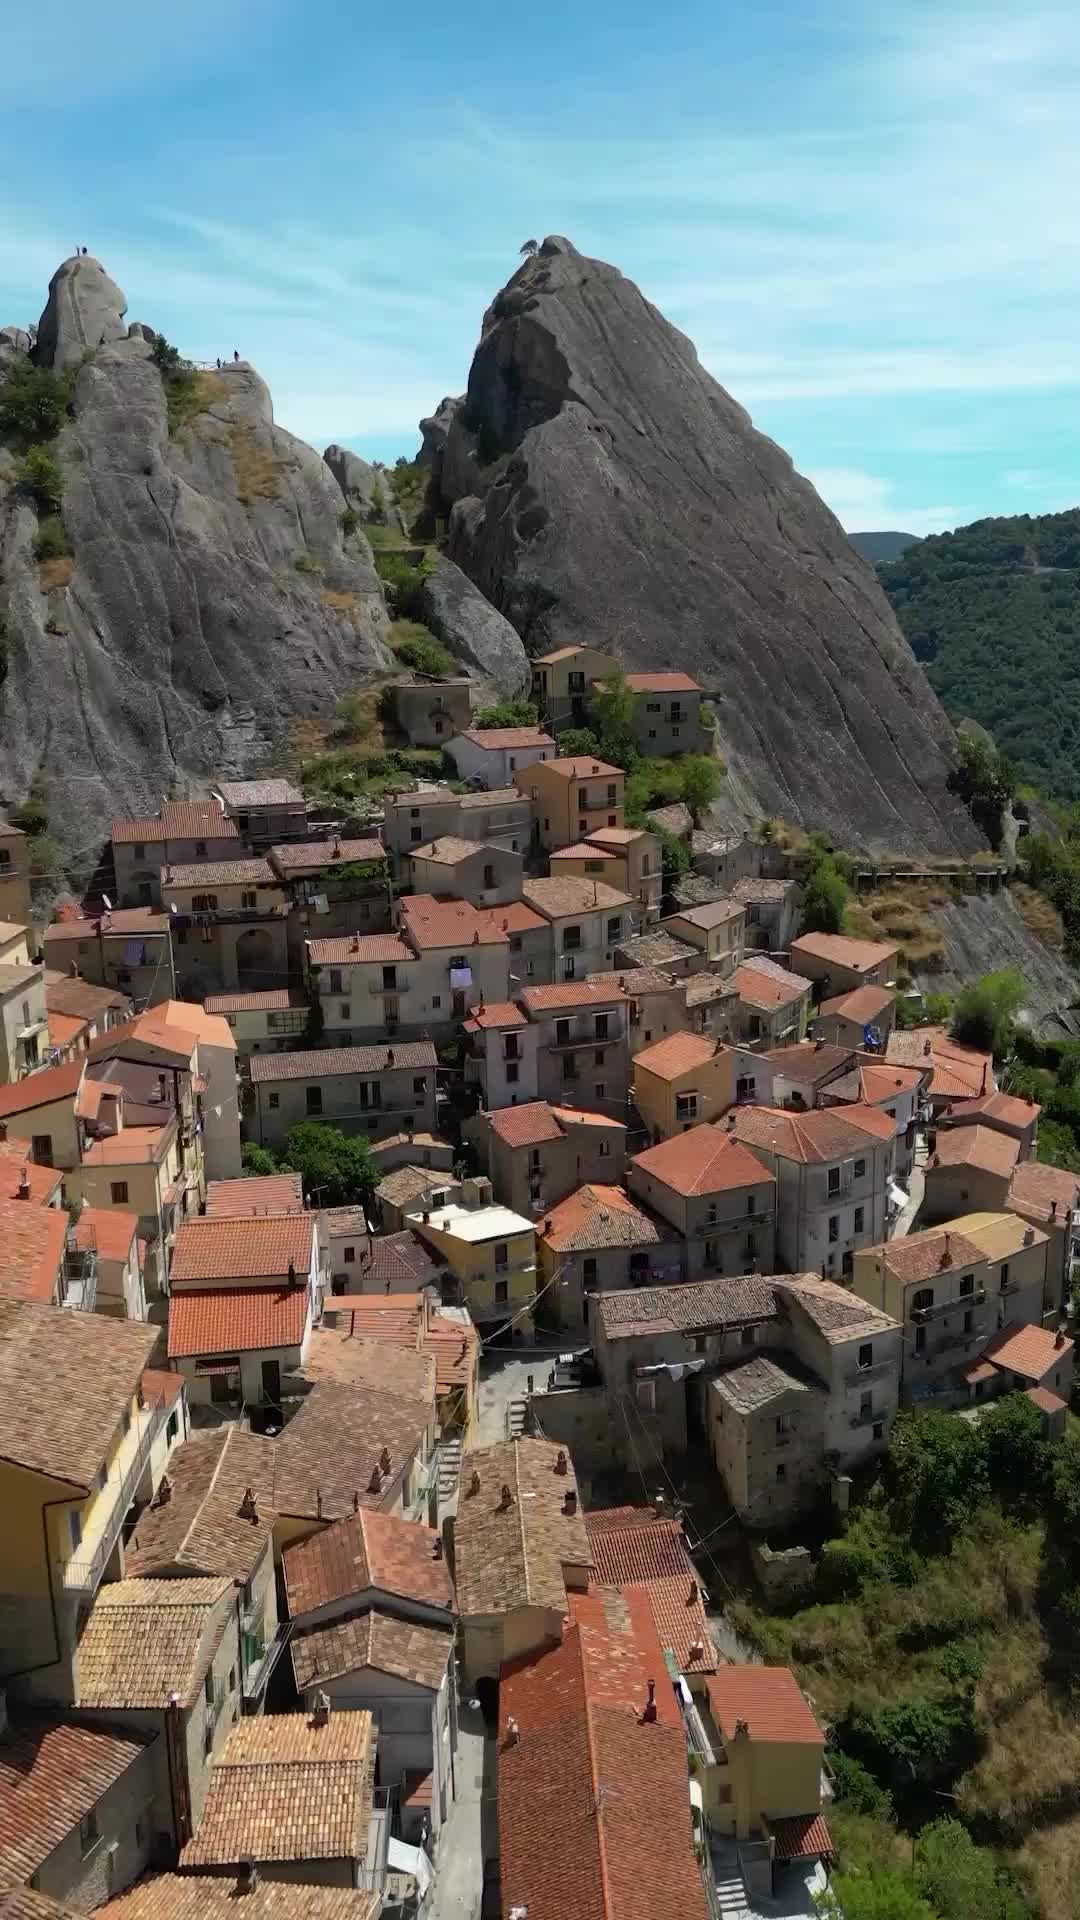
pixel 572 798
pixel 562 683
pixel 683 1081
pixel 767 1750
pixel 625 857
pixel 491 1252
pixel 77 1438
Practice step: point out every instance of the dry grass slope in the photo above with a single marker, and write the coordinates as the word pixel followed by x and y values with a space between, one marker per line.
pixel 903 913
pixel 256 471
pixel 1039 916
pixel 56 572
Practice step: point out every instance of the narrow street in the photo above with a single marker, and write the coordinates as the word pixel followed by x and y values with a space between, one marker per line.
pixel 469 1833
pixel 905 1220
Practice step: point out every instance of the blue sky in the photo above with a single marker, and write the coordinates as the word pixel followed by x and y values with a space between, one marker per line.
pixel 866 216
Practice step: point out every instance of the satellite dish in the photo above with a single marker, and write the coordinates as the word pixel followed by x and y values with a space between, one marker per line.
pixel 107 901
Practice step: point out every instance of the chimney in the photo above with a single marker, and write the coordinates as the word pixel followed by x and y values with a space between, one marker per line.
pixel 249 1505
pixel 945 1254
pixel 1053 1209
pixel 697 1651
pixel 355 1501
pixel 375 1483
pixel 1059 1342
pixel 474 1482
pixel 247 1875
pixel 569 1505
pixel 320 1710
pixel 511 1732
pixel 164 1492
pixel 292 1274
pixel 384 1460
pixel 658 1505
pixel 693 1593
pixel 1029 1236
pixel 437 1547
pixel 649 1713
pixel 742 1730
pixel 560 1460
pixel 426 1215
pixel 318 1503
pixel 389 1056
pixel 24 1185
pixel 506 1498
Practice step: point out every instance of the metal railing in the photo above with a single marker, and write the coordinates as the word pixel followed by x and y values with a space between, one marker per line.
pixel 83 1575
pixel 79 1278
pixel 257 1667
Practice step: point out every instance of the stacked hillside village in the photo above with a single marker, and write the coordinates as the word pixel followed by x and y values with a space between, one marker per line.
pixel 259 1553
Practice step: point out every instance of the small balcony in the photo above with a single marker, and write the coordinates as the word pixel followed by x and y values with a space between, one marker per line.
pixel 112 1503
pixel 922 1315
pixel 258 1658
pixel 78 1278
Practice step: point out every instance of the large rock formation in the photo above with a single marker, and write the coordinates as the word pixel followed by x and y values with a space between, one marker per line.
pixel 474 630
pixel 604 488
pixel 85 309
pixel 209 597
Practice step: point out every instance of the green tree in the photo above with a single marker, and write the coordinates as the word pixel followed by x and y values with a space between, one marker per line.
pixel 611 712
pixel 855 1786
pixel 337 1168
pixel 1019 1458
pixel 882 1894
pixel 962 1881
pixel 985 779
pixel 348 521
pixel 256 1159
pixel 577 740
pixel 700 782
pixel 530 247
pixel 986 1010
pixel 508 713
pixel 166 357
pixel 825 895
pixel 34 403
pixel 39 474
pixel 936 1475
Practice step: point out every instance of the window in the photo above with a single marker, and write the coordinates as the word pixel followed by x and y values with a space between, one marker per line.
pixel 118 1191
pixel 438 726
pixel 436 1000
pixel 600 1090
pixel 967 1285
pixel 746 1337
pixel 866 1402
pixel 502 1292
pixel 924 1298
pixel 866 1354
pixel 582 800
pixel 502 1256
pixel 414 813
pixel 781 1474
pixel 614 928
pixel 569 1067
pixel 645 1394
pixel 335 980
pixel 511 1074
pixel 860 1169
pixel 489 876
pixel 598 1057
pixel 686 1106
pixel 571 940
pixel 611 820
pixel 41 1149
pixel 457 960
pixel 588 1272
pixel 203 902
pixel 172 1428
pixel 389 978
pixel 860 1216
pixel 562 1033
pixel 745 1086
pixel 652 733
pixel 834 1228
pixel 200 848
pixel 139 850
pixel 208 1689
pixel 313 1099
pixel 605 1149
pixel 879 1430
pixel 232 1679
pixel 1005 1276
pixel 834 1180
pixel 602 1026
pixel 612 794
pixel 273 1101
pixel 75 1528
pixel 88 1832
pixel 344 1011
pixel 712 1255
pixel 248 899
pixel 348 1255
pixel 414 835
pixel 920 1339
pixel 969 1321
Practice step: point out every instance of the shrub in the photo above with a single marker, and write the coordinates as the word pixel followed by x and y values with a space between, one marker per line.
pixel 336 1168
pixel 936 1472
pixel 403 582
pixel 856 1788
pixel 256 1159
pixel 50 542
pixel 700 782
pixel 39 474
pixel 961 1880
pixel 33 816
pixel 508 713
pixel 986 1011
pixel 825 895
pixel 985 780
pixel 415 647
pixel 348 521
pixel 34 403
pixel 307 563
pixel 577 740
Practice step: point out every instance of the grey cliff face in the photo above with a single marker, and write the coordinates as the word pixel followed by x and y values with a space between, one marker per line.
pixel 180 638
pixel 605 488
pixel 84 309
pixel 360 483
pixel 474 630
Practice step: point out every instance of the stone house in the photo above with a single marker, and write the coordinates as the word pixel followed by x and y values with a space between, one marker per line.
pixel 490 1255
pixel 1002 1113
pixel 373 1090
pixel 445 959
pixel 487 876
pixel 896 1091
pixel 232 914
pixel 502 819
pixel 128 949
pixel 859 1017
pixel 537 1154
pixel 657 1003
pixel 332 887
pixel 501 1055
pixel 562 683
pixel 273 1021
pixel 966 1171
pixel 725 858
pixel 1045 1197
pixel 719 1196
pixel 836 963
pixel 25 1039
pixel 265 811
pixel 589 921
pixel 597 1241
pixel 667 714
pixel 582 1049
pixel 762 1780
pixel 953 1073
pixel 833 1171
pixel 718 930
pixel 772 911
pixel 431 712
pixel 627 858
pixel 772 1005
pixel 244 1292
pixel 495 755
pixel 76 1807
pixel 571 797
pixel 682 1081
pixel 14 875
pixel 183 832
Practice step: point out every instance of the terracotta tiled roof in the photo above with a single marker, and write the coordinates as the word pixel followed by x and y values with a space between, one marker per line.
pixel 1030 1351
pixel 571 893
pixel 203 1527
pixel 657 1552
pixel 615 836
pixel 66 1380
pixel 712 913
pixel 871 1085
pixel 300 854
pixel 178 820
pixel 221 873
pixel 676 1054
pixel 65 993
pixel 515 918
pixel 502 1013
pixel 837 950
pixel 581 1117
pixel 206 1896
pixel 360 1359
pixel 513 1556
pixel 497 737
pixel 359 949
pixel 146 1640
pixel 106 1231
pixel 17 1168
pixel 1003 1107
pixel 637 981
pixel 863 1004
pixel 162 1385
pixel 494 797
pixel 434 924
pixel 583 1744
pixel 404 1186
pixel 1046 1401
pixel 769 1699
pixel 570 993
pixel 31 1249
pixel 447 850
pixel 401 1259
pixel 768 991
pixel 835 1311
pixel 675 819
pixel 956 1072
pixel 284 1788
pixel 582 767
pixel 271 792
pixel 236 1320
pixel 704 1160
pixel 805 1838
pixel 679 1617
pixel 657 950
pixel 131 1147
pixel 581 850
pixel 758 1382
pixel 661 683
pixel 366 1550
pixel 999 1235
pixel 919 1256
pixel 613 1519
pixel 52 1774
pixel 327 1063
pixel 41 1089
pixel 65 1028
pixel 325 1459
pixel 980 1147
pixel 596 1216
pixel 704 989
pixel 762 892
pixel 689 1308
pixel 274 1000
pixel 254 1193
pixel 262 1248
pixel 811 1139
pixel 558 653
pixel 1034 1188
pixel 409 1649
pixel 526 1126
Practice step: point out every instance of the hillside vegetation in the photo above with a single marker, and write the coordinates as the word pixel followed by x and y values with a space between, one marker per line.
pixel 993 613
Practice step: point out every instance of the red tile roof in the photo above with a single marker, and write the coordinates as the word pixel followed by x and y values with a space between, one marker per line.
pixel 676 1054
pixel 107 1231
pixel 825 1133
pixel 325 1063
pixel 52 1774
pixel 919 1256
pixel 1004 1107
pixel 64 1028
pixel 208 1250
pixel 570 993
pixel 596 1216
pixel 398 1320
pixel 661 683
pixel 16 1167
pixel 494 738
pixel 584 1752
pixel 563 894
pixel 31 1249
pixel 704 1160
pixel 863 1004
pixel 274 1000
pixel 40 1089
pixel 977 1147
pixel 956 1072
pixel 526 1126
pixel 805 1838
pixel 221 873
pixel 656 1552
pixel 836 949
pixel 178 820
pixel 367 1549
pixel 358 949
pixel 132 1146
pixel 769 1699
pixel 679 1617
pixel 236 1320
pixel 1030 1351
pixel 1034 1188
pixel 613 1519
pixel 768 990
pixel 581 767
pixel 515 918
pixel 502 1013
pixel 325 853
pixel 434 924
pixel 254 1193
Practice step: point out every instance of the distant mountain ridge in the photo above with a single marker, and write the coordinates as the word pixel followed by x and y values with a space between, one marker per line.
pixel 993 613
pixel 879 547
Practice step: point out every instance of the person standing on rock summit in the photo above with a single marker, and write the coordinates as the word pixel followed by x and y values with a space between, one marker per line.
pixel 236 356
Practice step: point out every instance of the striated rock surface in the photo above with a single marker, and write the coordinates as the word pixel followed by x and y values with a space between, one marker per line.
pixel 474 630
pixel 360 482
pixel 180 637
pixel 605 488
pixel 84 309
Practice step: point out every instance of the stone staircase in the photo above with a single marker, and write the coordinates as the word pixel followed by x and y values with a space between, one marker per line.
pixel 730 1897
pixel 516 1415
pixel 449 1471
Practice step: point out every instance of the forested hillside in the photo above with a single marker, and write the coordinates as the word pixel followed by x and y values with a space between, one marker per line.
pixel 993 613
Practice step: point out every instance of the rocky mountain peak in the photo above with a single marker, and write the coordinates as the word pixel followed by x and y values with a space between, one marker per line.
pixel 84 309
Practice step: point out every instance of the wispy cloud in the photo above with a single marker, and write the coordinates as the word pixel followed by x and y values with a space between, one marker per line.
pixel 863 503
